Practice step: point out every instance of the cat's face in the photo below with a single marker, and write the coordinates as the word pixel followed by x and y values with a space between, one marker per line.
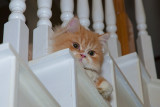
pixel 85 45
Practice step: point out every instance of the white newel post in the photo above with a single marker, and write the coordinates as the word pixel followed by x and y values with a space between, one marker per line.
pixel 42 35
pixel 97 16
pixel 144 42
pixel 15 30
pixel 83 12
pixel 110 18
pixel 67 7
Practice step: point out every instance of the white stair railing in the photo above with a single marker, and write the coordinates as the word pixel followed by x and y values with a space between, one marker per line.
pixel 107 68
pixel 15 30
pixel 66 80
pixel 146 89
pixel 144 42
pixel 83 12
pixel 132 72
pixel 153 92
pixel 19 86
pixel 110 19
pixel 126 97
pixel 73 87
pixel 123 94
pixel 42 34
pixel 97 16
pixel 109 74
pixel 66 7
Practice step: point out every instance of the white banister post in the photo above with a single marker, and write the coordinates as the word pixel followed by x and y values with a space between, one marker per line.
pixel 83 12
pixel 144 42
pixel 15 30
pixel 110 18
pixel 97 16
pixel 42 42
pixel 67 7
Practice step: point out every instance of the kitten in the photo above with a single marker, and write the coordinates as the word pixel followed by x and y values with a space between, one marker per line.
pixel 88 47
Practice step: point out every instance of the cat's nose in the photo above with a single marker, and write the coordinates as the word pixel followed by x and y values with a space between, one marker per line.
pixel 83 56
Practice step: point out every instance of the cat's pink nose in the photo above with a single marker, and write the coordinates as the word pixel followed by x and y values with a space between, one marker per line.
pixel 83 56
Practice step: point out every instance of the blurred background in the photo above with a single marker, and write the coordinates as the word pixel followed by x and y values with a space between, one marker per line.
pixel 152 11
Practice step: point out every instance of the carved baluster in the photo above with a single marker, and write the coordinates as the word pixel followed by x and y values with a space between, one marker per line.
pixel 97 16
pixel 42 34
pixel 83 12
pixel 144 43
pixel 67 7
pixel 110 18
pixel 15 30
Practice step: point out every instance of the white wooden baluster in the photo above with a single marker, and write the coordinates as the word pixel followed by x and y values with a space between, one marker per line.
pixel 110 18
pixel 15 30
pixel 67 7
pixel 97 16
pixel 83 12
pixel 144 42
pixel 42 34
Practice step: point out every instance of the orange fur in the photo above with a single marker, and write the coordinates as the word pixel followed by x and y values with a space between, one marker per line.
pixel 87 40
pixel 65 37
pixel 99 81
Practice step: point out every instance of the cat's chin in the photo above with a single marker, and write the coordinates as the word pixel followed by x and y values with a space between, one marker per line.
pixel 81 61
pixel 90 69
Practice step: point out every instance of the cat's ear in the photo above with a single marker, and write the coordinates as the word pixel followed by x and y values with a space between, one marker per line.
pixel 73 25
pixel 103 40
pixel 104 37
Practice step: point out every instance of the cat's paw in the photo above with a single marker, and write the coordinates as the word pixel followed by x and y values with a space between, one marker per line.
pixel 105 89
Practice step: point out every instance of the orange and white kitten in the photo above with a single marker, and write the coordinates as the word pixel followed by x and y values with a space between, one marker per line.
pixel 87 47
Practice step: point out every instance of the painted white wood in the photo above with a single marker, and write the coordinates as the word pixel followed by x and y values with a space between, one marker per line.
pixel 151 88
pixel 42 35
pixel 126 97
pixel 109 74
pixel 83 12
pixel 97 16
pixel 144 42
pixel 44 12
pixel 17 7
pixel 66 80
pixel 129 65
pixel 15 30
pixel 19 86
pixel 123 94
pixel 88 96
pixel 145 81
pixel 66 7
pixel 110 19
pixel 154 92
pixel 42 41
pixel 58 76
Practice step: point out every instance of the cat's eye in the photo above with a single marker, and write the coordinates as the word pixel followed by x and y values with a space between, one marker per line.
pixel 76 45
pixel 91 53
